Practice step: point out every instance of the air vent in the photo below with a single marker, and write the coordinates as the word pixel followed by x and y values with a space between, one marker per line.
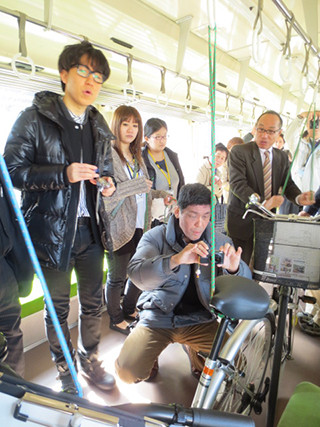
pixel 130 92
pixel 27 67
pixel 121 43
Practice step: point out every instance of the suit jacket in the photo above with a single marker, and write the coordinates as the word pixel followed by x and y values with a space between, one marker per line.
pixel 246 178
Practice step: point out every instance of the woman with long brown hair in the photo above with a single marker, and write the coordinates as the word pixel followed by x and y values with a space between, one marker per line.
pixel 129 213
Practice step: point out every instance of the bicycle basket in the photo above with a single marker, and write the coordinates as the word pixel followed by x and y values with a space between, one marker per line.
pixel 220 216
pixel 287 253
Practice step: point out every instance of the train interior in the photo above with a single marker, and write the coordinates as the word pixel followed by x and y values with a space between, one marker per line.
pixel 265 57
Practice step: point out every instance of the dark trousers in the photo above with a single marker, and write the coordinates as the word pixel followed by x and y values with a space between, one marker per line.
pixel 10 312
pixel 87 261
pixel 247 248
pixel 117 280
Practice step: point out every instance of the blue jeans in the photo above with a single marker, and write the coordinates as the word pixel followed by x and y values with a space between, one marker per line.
pixel 87 260
pixel 117 281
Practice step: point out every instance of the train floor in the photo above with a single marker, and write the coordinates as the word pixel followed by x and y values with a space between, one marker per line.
pixel 174 382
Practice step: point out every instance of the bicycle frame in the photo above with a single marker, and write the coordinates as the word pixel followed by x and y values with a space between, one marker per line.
pixel 215 371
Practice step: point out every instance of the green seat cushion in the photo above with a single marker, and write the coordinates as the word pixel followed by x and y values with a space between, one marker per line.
pixel 303 408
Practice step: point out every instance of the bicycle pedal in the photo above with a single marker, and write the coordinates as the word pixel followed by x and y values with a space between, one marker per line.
pixel 308 299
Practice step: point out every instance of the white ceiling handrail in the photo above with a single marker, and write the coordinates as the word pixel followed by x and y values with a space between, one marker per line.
pixel 108 49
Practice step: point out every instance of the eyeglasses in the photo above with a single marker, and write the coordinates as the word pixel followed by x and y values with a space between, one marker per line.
pixel 267 131
pixel 159 138
pixel 85 72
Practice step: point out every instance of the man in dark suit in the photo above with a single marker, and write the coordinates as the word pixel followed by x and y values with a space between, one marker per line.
pixel 246 177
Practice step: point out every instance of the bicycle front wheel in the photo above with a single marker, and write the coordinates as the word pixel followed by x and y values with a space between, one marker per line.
pixel 244 361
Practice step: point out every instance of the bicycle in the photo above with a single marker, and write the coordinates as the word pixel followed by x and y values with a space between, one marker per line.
pixel 226 382
pixel 31 404
pixel 234 376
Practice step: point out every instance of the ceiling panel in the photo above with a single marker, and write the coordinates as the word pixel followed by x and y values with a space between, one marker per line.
pixel 152 28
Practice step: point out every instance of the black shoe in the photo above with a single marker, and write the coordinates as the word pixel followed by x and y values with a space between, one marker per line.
pixel 67 383
pixel 92 370
pixel 154 371
pixel 130 317
pixel 125 331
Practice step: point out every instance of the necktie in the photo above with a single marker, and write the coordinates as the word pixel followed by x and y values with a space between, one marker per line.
pixel 267 175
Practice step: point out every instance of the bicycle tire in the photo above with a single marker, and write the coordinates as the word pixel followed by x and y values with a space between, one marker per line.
pixel 238 388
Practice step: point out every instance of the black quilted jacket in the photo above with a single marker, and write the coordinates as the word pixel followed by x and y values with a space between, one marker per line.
pixel 36 154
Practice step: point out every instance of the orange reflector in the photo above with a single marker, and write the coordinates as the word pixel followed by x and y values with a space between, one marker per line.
pixel 208 371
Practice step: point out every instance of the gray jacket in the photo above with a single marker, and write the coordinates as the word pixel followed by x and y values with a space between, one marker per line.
pixel 121 207
pixel 163 288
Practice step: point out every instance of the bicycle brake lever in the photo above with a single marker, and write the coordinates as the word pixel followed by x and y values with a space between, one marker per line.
pixel 254 200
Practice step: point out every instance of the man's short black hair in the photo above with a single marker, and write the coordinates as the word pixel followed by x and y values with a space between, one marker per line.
pixel 71 55
pixel 194 194
pixel 273 113
pixel 222 147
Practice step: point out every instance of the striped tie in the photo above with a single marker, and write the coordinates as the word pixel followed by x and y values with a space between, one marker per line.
pixel 267 175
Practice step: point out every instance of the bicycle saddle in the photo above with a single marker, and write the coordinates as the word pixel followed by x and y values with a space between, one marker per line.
pixel 240 298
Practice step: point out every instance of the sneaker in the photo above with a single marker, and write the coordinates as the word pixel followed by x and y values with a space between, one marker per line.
pixel 92 370
pixel 67 384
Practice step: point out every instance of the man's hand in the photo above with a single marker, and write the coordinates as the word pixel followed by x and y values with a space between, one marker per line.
pixel 303 213
pixel 109 189
pixel 232 258
pixel 81 172
pixel 306 198
pixel 169 200
pixel 273 202
pixel 190 254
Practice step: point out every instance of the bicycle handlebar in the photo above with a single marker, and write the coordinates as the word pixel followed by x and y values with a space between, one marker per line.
pixel 254 200
pixel 178 415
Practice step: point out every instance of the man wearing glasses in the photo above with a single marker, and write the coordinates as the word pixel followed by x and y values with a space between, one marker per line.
pixel 57 151
pixel 257 167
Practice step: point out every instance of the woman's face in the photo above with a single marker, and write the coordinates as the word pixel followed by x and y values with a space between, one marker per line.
pixel 221 157
pixel 128 130
pixel 158 140
pixel 279 143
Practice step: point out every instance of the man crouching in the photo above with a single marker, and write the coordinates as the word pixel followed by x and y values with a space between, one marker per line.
pixel 174 305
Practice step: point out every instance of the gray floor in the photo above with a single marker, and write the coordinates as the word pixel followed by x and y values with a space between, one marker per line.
pixel 174 382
